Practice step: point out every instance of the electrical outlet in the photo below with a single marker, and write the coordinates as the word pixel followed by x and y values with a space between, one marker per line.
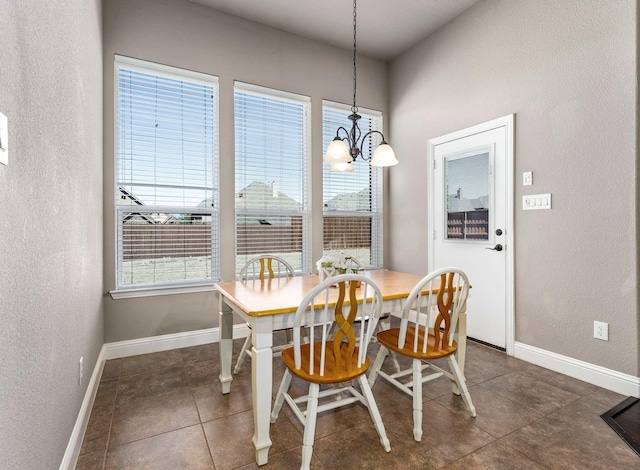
pixel 80 370
pixel 601 330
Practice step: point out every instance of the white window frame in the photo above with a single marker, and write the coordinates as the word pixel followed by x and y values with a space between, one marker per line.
pixel 169 287
pixel 376 185
pixel 305 211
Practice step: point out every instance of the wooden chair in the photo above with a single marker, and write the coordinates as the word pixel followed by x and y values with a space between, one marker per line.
pixel 427 329
pixel 337 361
pixel 262 267
pixel 384 323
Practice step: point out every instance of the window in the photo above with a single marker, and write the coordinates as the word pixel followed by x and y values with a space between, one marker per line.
pixel 272 160
pixel 352 201
pixel 166 176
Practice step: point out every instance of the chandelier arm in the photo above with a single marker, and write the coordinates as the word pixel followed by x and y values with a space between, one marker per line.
pixel 374 132
pixel 345 131
pixel 365 138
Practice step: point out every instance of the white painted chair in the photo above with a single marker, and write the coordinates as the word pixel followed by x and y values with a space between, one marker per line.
pixel 337 361
pixel 355 266
pixel 426 332
pixel 263 267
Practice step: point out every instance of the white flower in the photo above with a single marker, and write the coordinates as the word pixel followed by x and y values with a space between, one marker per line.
pixel 338 261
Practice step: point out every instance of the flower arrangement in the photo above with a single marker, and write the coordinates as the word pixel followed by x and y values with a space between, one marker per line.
pixel 333 264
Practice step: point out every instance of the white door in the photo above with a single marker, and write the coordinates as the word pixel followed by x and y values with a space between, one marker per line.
pixel 471 222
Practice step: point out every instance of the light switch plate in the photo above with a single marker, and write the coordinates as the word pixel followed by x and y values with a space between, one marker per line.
pixel 532 202
pixel 527 178
pixel 4 139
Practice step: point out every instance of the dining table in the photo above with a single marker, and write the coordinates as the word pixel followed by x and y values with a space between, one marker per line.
pixel 269 305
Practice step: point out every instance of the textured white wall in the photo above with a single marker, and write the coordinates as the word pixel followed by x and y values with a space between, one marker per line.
pixel 50 223
pixel 182 34
pixel 567 69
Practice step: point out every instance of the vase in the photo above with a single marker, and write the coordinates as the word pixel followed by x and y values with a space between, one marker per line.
pixel 326 272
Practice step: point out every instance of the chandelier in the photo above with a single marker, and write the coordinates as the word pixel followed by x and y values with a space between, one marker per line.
pixel 346 149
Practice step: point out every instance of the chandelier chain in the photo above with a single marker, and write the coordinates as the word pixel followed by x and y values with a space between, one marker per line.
pixel 354 108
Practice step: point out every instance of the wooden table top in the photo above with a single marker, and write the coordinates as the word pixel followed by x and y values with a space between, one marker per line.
pixel 283 295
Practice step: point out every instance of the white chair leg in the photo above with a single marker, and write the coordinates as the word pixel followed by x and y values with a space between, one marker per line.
pixel 244 353
pixel 462 384
pixel 374 412
pixel 377 364
pixel 310 426
pixel 284 386
pixel 385 325
pixel 417 400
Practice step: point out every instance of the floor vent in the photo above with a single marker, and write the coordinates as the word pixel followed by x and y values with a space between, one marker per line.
pixel 624 419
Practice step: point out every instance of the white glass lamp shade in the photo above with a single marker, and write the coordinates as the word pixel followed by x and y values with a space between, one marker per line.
pixel 384 156
pixel 338 167
pixel 337 152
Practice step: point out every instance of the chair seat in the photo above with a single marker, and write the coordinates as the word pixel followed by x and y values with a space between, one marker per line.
pixel 333 373
pixel 389 339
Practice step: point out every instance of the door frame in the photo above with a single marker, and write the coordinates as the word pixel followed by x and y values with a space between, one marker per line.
pixel 508 123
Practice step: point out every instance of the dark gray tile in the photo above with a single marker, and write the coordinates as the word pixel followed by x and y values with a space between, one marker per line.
pixel 559 380
pixel 290 459
pixel 521 388
pixel 97 432
pixel 606 398
pixel 360 447
pixel 204 352
pixel 494 356
pixel 495 456
pixel 93 461
pixel 151 383
pixel 111 369
pixel 106 394
pixel 155 362
pixel 212 404
pixel 574 437
pixel 478 370
pixel 181 449
pixel 202 373
pixel 236 432
pixel 146 417
pixel 495 414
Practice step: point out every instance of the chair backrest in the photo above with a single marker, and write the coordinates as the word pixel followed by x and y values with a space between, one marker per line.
pixel 265 267
pixel 435 302
pixel 325 306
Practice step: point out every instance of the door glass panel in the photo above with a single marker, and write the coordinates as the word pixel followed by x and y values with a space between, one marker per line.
pixel 468 195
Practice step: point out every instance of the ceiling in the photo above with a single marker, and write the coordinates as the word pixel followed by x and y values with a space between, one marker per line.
pixel 385 28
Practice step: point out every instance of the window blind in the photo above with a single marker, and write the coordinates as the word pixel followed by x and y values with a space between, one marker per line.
pixel 272 180
pixel 352 201
pixel 166 187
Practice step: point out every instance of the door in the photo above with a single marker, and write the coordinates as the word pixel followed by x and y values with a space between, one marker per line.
pixel 471 222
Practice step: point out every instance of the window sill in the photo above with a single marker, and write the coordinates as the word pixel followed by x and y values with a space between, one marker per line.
pixel 159 290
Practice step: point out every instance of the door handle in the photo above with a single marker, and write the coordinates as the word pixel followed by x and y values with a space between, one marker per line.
pixel 498 247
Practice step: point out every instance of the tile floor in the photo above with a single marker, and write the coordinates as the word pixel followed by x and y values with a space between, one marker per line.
pixel 165 411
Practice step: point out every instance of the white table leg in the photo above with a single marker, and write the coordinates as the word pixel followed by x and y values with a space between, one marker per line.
pixel 261 385
pixel 226 346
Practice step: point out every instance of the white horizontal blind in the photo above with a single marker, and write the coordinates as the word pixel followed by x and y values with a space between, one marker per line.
pixel 272 180
pixel 352 201
pixel 166 191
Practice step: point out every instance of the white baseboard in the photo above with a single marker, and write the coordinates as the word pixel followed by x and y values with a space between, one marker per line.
pixel 133 348
pixel 70 457
pixel 602 377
